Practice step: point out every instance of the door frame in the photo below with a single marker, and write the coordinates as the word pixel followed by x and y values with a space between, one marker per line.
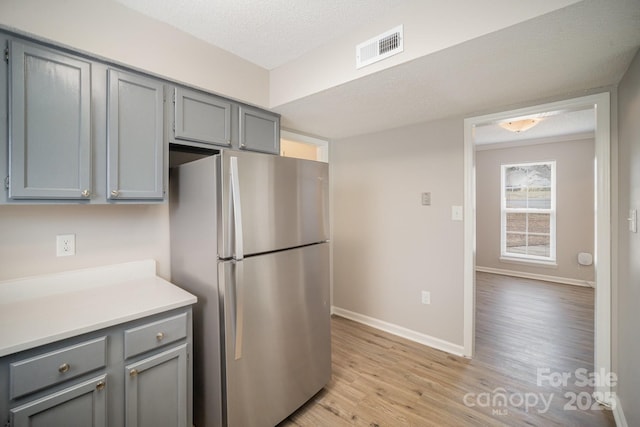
pixel 602 259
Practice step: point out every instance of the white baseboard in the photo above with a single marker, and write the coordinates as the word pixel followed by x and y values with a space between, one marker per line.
pixel 618 414
pixel 400 331
pixel 546 278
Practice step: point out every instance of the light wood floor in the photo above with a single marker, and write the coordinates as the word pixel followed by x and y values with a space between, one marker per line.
pixel 382 380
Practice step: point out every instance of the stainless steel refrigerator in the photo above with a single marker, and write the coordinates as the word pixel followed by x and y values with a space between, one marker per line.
pixel 249 237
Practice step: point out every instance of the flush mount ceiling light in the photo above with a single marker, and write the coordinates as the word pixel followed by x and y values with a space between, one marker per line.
pixel 518 126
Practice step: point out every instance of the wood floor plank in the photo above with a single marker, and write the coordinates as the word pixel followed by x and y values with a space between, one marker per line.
pixel 380 379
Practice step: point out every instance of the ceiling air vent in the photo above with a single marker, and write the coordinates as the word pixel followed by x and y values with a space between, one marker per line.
pixel 380 47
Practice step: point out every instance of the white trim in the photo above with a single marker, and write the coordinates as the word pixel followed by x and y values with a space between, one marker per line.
pixel 400 331
pixel 535 141
pixel 601 104
pixel 602 258
pixel 535 276
pixel 528 261
pixel 618 413
pixel 469 251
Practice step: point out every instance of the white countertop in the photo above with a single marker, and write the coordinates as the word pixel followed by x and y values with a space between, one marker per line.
pixel 42 309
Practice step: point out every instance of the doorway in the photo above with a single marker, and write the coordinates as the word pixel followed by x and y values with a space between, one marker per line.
pixel 293 144
pixel 600 103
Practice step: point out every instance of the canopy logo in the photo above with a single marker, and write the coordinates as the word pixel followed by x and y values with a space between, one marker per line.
pixel 499 400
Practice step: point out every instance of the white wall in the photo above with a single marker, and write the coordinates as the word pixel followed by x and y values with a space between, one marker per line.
pixel 574 200
pixel 628 344
pixel 110 30
pixel 104 235
pixel 387 246
pixel 112 233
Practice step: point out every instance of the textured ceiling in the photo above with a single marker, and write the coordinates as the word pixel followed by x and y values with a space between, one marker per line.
pixel 554 124
pixel 558 55
pixel 562 54
pixel 268 33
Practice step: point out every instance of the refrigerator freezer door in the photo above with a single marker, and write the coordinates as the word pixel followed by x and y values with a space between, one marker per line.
pixel 284 203
pixel 277 333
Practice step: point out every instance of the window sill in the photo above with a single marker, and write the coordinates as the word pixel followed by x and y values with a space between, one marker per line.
pixel 526 261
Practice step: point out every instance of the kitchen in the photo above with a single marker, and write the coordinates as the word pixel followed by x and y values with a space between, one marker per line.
pixel 120 233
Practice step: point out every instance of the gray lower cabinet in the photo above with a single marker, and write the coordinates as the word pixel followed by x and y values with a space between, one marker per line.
pixel 155 390
pixel 136 374
pixel 50 124
pixel 201 118
pixel 81 405
pixel 135 137
pixel 259 130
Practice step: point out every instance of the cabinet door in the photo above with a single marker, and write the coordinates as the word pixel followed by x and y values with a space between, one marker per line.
pixel 156 390
pixel 259 131
pixel 202 118
pixel 135 137
pixel 82 405
pixel 50 116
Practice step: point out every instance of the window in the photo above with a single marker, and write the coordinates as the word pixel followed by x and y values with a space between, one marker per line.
pixel 528 224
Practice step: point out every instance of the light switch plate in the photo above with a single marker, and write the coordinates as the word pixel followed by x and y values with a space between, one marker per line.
pixel 456 213
pixel 426 199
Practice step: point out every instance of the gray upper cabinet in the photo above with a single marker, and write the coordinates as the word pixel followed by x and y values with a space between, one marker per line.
pixel 135 135
pixel 259 130
pixel 57 147
pixel 50 124
pixel 201 118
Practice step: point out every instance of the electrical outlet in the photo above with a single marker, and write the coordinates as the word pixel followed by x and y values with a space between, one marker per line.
pixel 426 199
pixel 426 297
pixel 65 244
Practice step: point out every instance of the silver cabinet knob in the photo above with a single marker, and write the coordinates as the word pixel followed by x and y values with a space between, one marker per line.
pixel 114 193
pixel 160 336
pixel 64 368
pixel 100 385
pixel 133 373
pixel 86 193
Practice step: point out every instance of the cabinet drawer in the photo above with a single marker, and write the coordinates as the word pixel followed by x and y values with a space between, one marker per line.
pixel 32 374
pixel 153 335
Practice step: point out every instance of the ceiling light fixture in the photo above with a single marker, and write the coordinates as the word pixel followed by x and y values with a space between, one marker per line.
pixel 518 126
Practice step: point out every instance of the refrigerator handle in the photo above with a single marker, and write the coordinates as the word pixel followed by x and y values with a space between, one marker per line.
pixel 239 309
pixel 237 209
